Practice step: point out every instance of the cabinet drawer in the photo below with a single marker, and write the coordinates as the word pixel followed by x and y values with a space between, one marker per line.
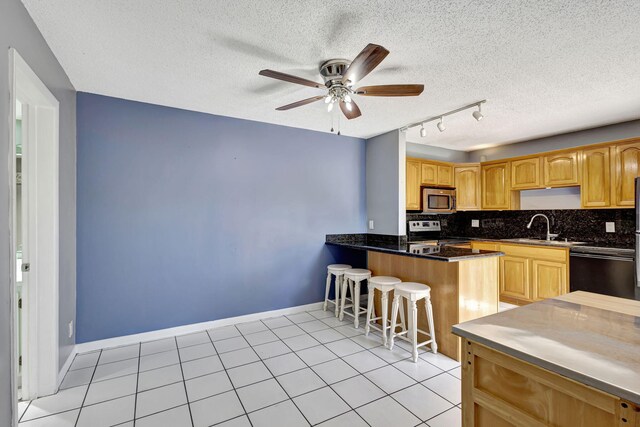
pixel 537 252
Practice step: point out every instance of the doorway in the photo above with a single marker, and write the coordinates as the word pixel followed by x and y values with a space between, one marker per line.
pixel 34 236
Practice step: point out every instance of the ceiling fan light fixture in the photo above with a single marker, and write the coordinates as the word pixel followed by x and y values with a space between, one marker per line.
pixel 348 105
pixel 478 114
pixel 330 106
pixel 423 131
pixel 347 99
pixel 327 99
pixel 441 126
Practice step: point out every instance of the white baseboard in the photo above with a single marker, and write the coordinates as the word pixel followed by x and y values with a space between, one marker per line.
pixel 186 329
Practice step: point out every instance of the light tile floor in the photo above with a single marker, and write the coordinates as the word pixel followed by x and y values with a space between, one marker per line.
pixel 298 370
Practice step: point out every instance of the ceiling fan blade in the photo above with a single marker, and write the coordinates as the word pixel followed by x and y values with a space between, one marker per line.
pixel 365 62
pixel 352 113
pixel 300 103
pixel 289 78
pixel 390 90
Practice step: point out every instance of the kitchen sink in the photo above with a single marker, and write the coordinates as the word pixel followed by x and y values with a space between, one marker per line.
pixel 546 242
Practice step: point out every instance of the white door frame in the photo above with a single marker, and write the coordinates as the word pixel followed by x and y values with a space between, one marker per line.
pixel 40 155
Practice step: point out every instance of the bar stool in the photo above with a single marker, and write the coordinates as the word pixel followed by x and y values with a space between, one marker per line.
pixel 336 270
pixel 383 284
pixel 413 292
pixel 352 279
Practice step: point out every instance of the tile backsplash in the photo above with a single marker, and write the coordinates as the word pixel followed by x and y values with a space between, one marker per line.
pixel 578 225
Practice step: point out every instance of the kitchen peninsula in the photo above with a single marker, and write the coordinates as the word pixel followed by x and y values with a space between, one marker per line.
pixel 566 361
pixel 464 282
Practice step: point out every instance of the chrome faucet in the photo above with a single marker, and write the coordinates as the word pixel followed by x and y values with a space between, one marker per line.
pixel 550 236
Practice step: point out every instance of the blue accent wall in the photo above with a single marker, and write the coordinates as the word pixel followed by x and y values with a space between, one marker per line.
pixel 186 217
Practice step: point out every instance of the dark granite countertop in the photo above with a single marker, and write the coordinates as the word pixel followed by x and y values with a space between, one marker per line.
pixel 445 253
pixel 590 338
pixel 586 243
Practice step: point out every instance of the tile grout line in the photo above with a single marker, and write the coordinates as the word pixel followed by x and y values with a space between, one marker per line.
pixel 224 368
pixel 135 402
pixel 327 385
pixel 184 383
pixel 280 385
pixel 88 387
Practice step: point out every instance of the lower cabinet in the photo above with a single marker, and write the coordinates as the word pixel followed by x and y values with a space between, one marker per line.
pixel 530 273
pixel 549 279
pixel 514 277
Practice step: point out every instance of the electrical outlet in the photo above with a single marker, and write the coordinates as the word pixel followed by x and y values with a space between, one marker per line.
pixel 475 223
pixel 610 227
pixel 70 328
pixel 371 224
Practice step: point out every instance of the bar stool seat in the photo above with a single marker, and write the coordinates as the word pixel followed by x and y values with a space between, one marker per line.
pixel 413 292
pixel 384 284
pixel 336 270
pixel 352 279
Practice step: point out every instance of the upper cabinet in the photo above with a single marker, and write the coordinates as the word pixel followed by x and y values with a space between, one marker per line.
pixel 496 186
pixel 413 184
pixel 596 178
pixel 525 173
pixel 625 159
pixel 445 175
pixel 429 173
pixel 605 173
pixel 561 169
pixel 468 188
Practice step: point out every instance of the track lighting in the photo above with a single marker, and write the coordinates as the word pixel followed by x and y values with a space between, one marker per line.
pixel 478 114
pixel 440 117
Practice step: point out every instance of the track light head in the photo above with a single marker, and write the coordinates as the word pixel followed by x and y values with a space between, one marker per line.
pixel 478 114
pixel 441 126
pixel 423 131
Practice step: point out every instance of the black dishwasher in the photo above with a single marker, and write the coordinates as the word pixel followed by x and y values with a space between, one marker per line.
pixel 608 271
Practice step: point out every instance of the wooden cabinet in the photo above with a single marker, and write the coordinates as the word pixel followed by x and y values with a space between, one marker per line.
pixel 530 273
pixel 413 184
pixel 468 187
pixel 485 246
pixel 626 161
pixel 502 390
pixel 525 173
pixel 596 178
pixel 496 186
pixel 445 175
pixel 514 277
pixel 435 173
pixel 561 169
pixel 548 279
pixel 429 173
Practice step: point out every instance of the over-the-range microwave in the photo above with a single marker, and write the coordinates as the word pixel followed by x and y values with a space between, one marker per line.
pixel 438 200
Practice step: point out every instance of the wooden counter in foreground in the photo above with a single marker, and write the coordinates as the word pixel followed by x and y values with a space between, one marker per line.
pixel 460 291
pixel 572 360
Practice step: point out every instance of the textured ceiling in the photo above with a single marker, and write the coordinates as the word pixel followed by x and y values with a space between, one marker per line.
pixel 546 67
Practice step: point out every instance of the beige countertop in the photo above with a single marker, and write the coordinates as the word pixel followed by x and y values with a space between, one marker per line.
pixel 590 338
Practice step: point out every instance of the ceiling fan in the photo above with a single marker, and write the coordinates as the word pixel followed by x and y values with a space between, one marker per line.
pixel 340 75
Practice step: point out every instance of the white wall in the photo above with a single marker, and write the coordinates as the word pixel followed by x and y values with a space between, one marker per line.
pixel 422 151
pixel 552 198
pixel 386 183
pixel 557 142
pixel 18 30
